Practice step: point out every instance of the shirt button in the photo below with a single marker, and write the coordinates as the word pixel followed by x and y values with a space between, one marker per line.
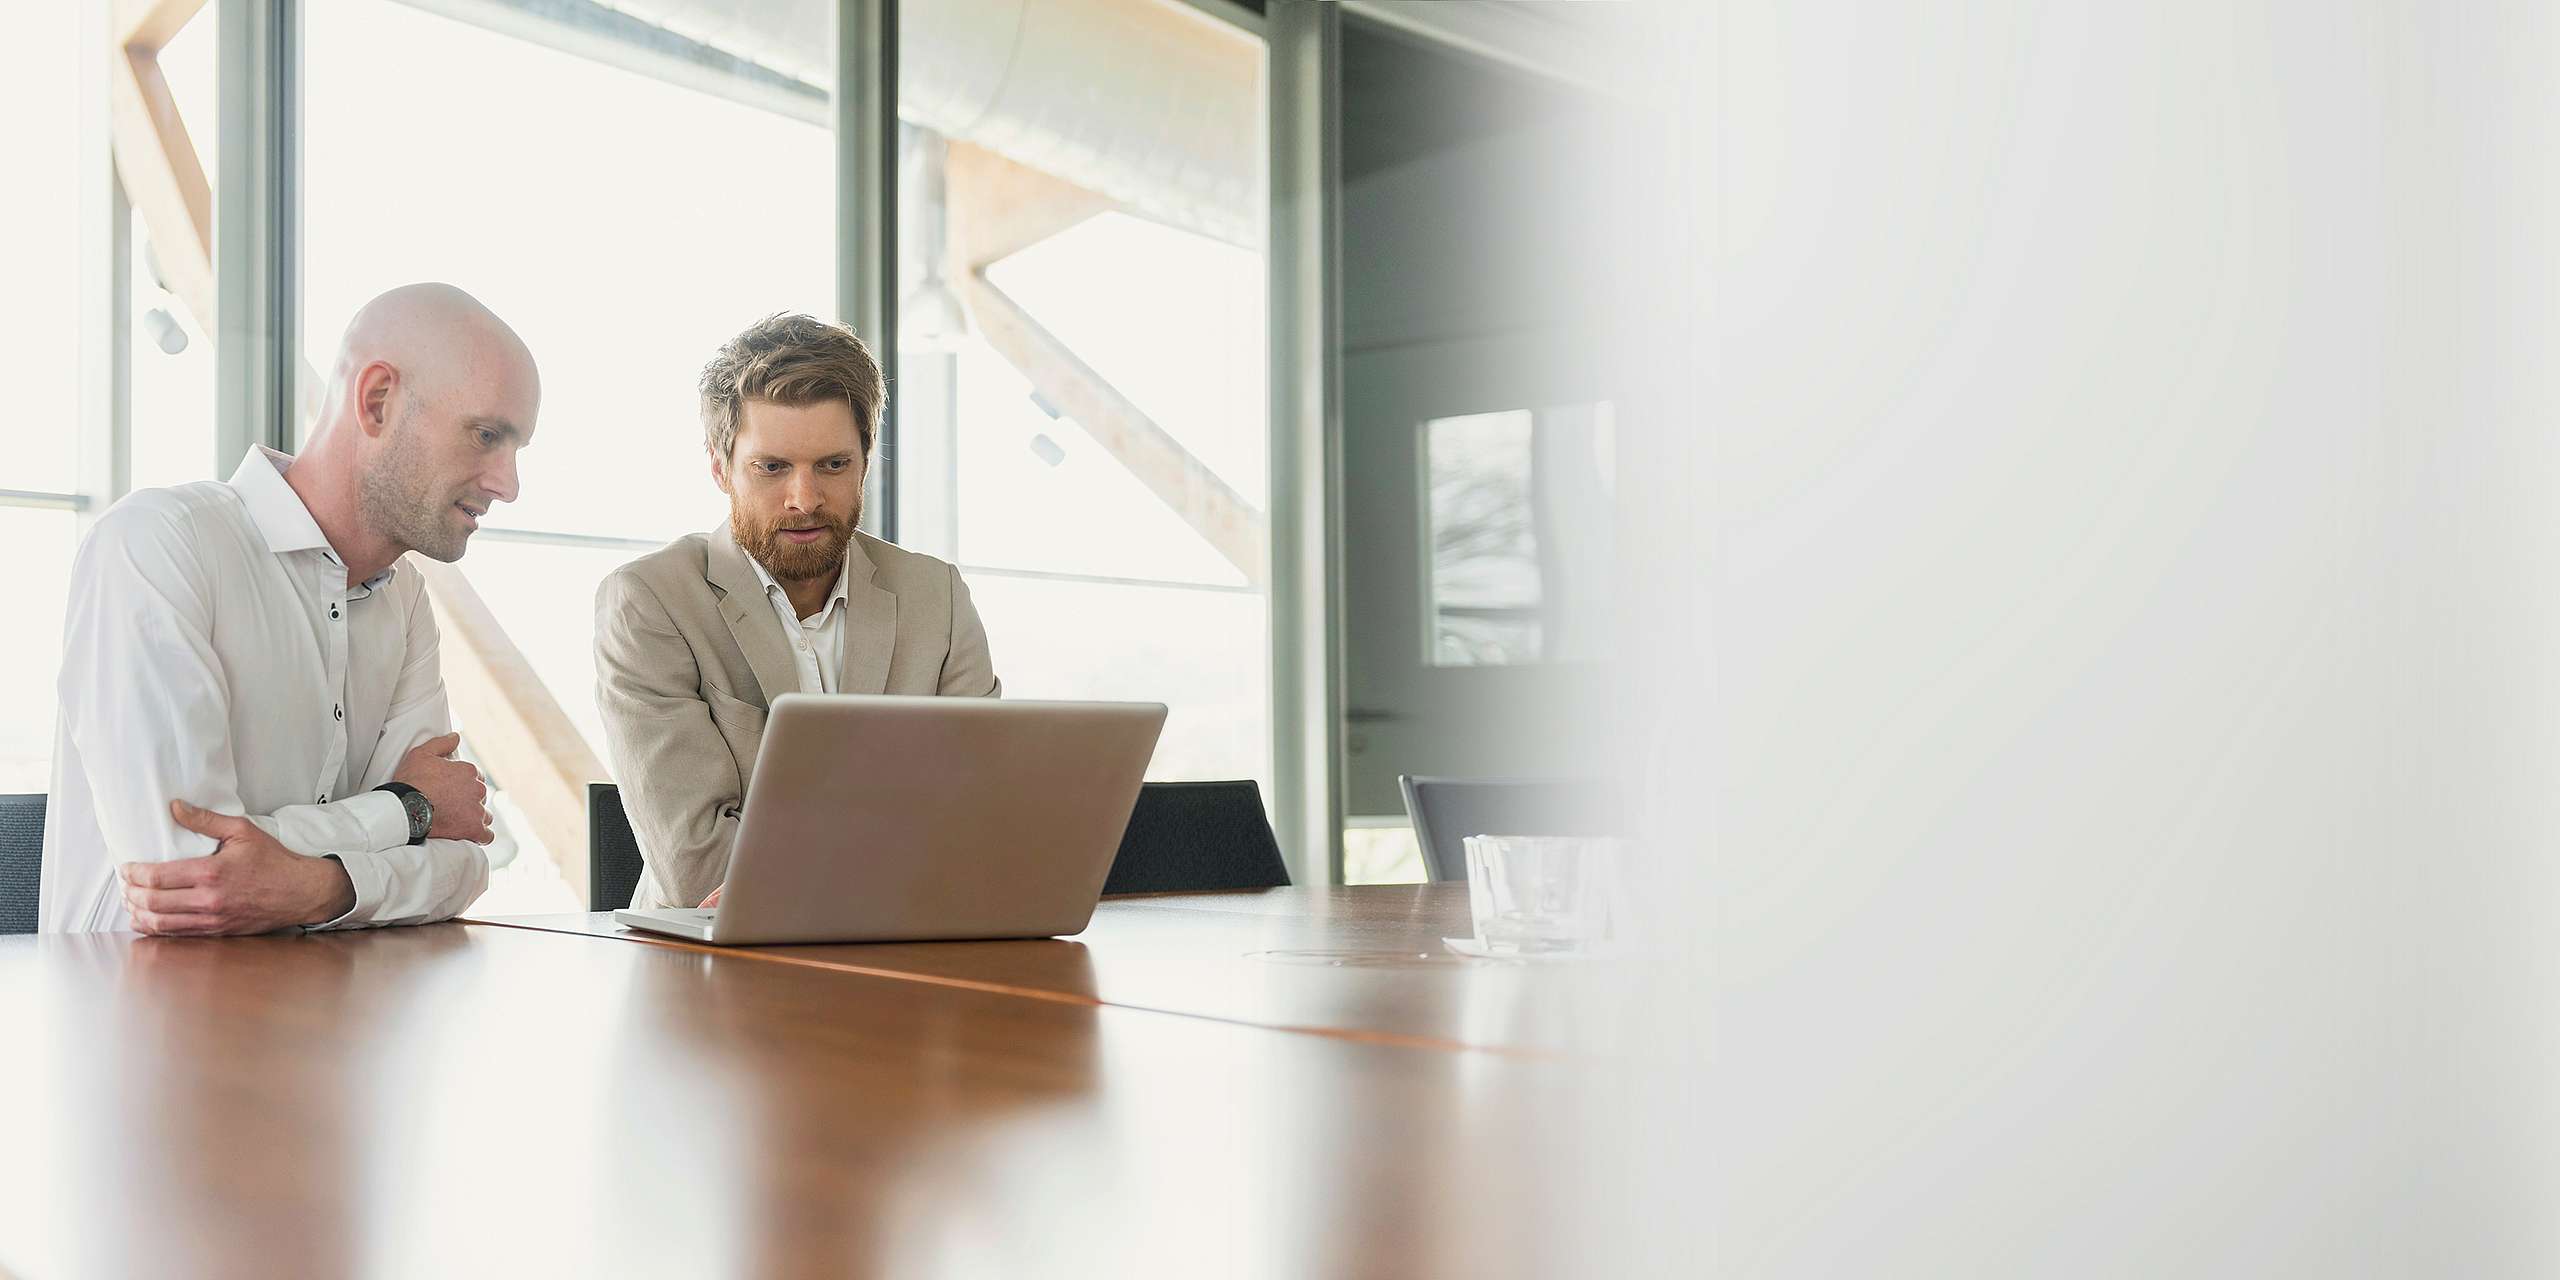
pixel 324 798
pixel 333 611
pixel 337 713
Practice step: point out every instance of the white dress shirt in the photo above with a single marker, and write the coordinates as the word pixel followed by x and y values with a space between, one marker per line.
pixel 817 641
pixel 213 651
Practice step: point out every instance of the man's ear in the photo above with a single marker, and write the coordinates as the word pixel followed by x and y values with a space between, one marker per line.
pixel 374 385
pixel 719 470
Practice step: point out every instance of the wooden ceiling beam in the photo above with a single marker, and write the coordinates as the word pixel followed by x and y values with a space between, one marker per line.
pixel 147 26
pixel 163 177
pixel 997 208
pixel 1177 477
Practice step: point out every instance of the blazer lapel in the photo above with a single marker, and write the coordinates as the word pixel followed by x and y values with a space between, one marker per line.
pixel 750 616
pixel 870 625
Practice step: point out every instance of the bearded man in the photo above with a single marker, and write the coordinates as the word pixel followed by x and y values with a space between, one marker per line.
pixel 695 640
pixel 252 731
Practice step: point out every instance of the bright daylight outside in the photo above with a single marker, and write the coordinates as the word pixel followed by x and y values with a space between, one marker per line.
pixel 631 213
pixel 1080 406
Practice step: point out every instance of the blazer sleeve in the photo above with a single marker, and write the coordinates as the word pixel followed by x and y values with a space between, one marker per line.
pixel 967 669
pixel 679 783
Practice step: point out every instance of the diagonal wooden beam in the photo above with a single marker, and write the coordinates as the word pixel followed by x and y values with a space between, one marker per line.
pixel 149 25
pixel 1175 475
pixel 998 208
pixel 516 727
pixel 155 158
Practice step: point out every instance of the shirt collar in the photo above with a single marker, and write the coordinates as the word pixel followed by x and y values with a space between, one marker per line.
pixel 773 590
pixel 284 522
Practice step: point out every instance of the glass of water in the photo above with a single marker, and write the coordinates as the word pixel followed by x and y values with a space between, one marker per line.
pixel 1541 895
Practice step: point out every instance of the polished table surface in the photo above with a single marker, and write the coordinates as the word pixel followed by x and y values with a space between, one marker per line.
pixel 492 1098
pixel 1365 962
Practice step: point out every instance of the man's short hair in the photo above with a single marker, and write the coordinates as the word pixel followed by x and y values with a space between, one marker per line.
pixel 795 360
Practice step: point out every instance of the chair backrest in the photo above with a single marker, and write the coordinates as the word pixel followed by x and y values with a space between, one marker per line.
pixel 21 861
pixel 613 851
pixel 1195 837
pixel 1445 811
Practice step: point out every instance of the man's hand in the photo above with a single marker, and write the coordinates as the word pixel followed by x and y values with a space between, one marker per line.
pixel 248 884
pixel 452 786
pixel 714 899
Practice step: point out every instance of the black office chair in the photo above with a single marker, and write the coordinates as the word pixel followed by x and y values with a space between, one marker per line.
pixel 613 851
pixel 1445 811
pixel 21 861
pixel 1197 837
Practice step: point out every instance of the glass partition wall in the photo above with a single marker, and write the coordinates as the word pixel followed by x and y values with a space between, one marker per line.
pixel 1478 434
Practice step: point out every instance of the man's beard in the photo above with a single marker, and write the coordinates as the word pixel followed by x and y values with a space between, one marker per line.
pixel 393 497
pixel 791 561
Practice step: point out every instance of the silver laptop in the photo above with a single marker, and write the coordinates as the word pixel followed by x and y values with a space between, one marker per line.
pixel 893 819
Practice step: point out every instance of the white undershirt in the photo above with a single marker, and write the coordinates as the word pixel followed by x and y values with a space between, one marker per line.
pixel 817 641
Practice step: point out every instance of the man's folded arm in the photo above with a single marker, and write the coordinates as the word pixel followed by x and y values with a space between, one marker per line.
pixel 364 821
pixel 659 732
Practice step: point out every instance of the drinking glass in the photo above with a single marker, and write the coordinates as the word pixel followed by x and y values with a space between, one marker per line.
pixel 1541 895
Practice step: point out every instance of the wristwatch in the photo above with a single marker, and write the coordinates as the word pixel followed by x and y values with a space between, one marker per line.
pixel 422 811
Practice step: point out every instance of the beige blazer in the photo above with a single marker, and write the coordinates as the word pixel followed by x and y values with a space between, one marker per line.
pixel 689 654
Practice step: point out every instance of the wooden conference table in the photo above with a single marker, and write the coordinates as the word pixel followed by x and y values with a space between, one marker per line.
pixel 1292 1082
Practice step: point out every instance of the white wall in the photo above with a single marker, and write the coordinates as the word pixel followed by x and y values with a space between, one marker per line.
pixel 2105 597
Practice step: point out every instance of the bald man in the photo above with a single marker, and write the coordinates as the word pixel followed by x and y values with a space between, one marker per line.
pixel 252 732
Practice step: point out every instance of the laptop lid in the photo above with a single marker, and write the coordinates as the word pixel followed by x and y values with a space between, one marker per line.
pixel 878 818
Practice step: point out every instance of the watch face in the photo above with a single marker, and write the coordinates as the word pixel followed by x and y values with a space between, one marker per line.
pixel 421 813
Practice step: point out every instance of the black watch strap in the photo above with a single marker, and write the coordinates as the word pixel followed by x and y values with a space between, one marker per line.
pixel 414 803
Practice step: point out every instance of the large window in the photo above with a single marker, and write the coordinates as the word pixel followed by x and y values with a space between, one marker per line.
pixel 109 225
pixel 623 223
pixel 39 543
pixel 627 199
pixel 36 78
pixel 1079 386
pixel 170 403
pixel 1080 383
